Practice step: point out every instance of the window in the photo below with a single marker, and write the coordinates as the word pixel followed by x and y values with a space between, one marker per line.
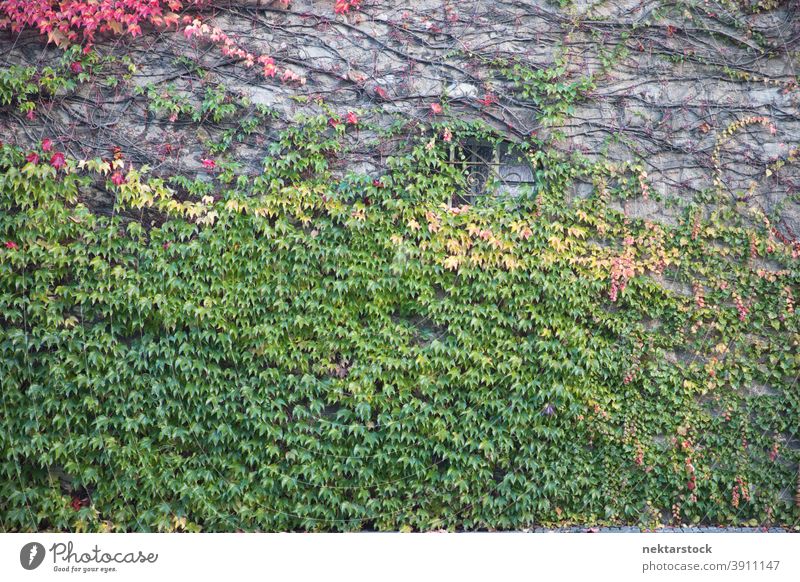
pixel 498 168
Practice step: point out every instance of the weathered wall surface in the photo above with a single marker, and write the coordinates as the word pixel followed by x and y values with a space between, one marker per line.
pixel 655 82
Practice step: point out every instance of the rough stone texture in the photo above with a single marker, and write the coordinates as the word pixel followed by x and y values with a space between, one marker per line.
pixel 683 73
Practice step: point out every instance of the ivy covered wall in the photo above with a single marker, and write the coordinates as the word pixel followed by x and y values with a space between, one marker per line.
pixel 241 287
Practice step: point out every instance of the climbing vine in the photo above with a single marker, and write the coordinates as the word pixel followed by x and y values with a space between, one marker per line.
pixel 315 321
pixel 296 352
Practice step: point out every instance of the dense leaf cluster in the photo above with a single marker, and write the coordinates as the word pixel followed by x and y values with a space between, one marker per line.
pixel 295 352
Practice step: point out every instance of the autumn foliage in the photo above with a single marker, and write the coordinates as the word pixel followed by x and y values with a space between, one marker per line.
pixel 80 21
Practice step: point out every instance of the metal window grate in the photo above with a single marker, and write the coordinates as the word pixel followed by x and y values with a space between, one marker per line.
pixel 497 168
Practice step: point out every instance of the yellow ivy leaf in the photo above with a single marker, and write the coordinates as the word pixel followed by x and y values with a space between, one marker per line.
pixel 451 263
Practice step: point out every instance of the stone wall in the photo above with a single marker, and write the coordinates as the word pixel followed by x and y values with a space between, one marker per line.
pixel 661 83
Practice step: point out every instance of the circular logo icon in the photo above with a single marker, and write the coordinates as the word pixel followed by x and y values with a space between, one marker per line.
pixel 31 555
